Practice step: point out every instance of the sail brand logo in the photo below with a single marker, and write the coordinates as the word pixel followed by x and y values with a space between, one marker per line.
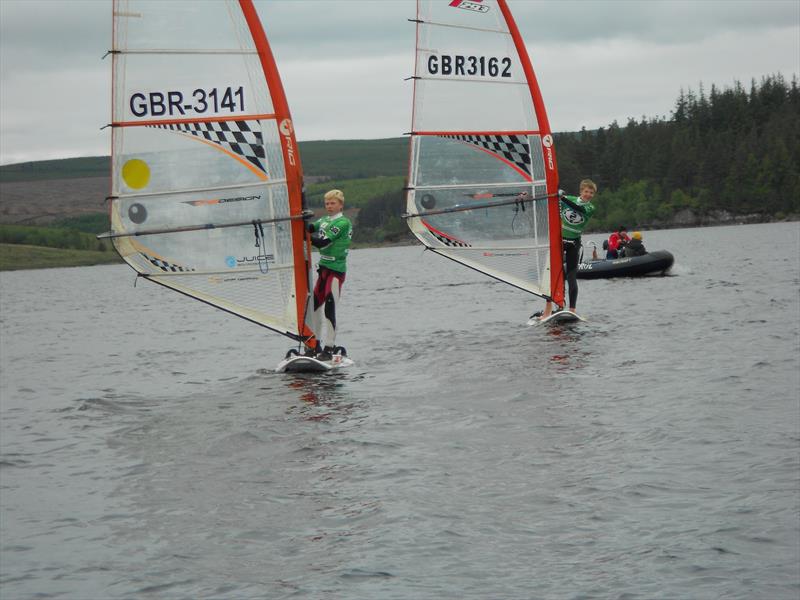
pixel 285 127
pixel 547 142
pixel 221 200
pixel 479 66
pixel 474 5
pixel 239 199
pixel 244 261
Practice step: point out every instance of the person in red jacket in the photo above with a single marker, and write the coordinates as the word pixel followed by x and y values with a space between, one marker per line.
pixel 617 241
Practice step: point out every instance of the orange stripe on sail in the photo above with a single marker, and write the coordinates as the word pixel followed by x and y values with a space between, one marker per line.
pixel 259 173
pixel 520 132
pixel 502 159
pixel 191 121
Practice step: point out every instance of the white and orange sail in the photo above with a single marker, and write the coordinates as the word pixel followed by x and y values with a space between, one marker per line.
pixel 206 178
pixel 483 181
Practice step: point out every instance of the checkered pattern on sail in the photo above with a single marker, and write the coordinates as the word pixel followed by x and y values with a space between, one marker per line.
pixel 449 241
pixel 166 266
pixel 513 148
pixel 236 136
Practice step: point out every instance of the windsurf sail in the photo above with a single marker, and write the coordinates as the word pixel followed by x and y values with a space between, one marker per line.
pixel 483 182
pixel 206 179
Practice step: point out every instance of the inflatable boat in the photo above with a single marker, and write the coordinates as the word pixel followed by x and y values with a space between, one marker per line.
pixel 652 263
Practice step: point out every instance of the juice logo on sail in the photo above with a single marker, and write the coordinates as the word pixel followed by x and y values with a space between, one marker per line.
pixel 285 127
pixel 473 5
pixel 261 260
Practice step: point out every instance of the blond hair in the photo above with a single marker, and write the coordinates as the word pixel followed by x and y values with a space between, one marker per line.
pixel 588 183
pixel 337 194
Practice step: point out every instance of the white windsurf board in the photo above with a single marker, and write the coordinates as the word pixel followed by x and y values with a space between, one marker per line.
pixel 297 363
pixel 562 316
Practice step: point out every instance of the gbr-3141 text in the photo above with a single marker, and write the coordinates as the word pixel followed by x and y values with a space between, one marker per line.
pixel 177 103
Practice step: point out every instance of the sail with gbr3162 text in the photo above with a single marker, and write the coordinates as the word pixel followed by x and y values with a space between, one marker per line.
pixel 483 182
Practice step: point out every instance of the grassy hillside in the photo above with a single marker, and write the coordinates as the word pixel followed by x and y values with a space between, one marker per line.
pixel 66 168
pixel 357 192
pixel 20 256
pixel 355 159
pixel 336 159
pixel 52 237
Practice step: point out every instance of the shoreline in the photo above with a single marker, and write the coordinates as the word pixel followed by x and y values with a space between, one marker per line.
pixel 20 257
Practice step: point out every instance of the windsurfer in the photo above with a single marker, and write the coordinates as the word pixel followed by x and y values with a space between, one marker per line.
pixel 575 214
pixel 331 234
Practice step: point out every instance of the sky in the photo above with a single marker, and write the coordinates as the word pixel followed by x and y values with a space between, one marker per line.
pixel 344 63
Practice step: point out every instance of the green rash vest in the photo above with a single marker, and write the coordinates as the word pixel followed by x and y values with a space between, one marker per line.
pixel 339 230
pixel 573 221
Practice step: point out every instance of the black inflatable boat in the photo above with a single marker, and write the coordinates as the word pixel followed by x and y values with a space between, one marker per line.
pixel 652 263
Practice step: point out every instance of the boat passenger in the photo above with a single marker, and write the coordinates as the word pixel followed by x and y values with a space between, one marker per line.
pixel 575 214
pixel 635 247
pixel 617 241
pixel 331 234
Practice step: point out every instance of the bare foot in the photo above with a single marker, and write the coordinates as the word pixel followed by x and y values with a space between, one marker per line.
pixel 572 309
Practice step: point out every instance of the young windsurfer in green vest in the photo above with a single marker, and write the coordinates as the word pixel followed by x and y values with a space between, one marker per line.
pixel 331 234
pixel 575 213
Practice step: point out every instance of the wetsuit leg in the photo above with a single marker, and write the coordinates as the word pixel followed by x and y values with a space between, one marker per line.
pixel 571 251
pixel 319 303
pixel 326 294
pixel 330 309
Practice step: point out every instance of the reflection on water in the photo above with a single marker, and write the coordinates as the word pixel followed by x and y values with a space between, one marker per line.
pixel 568 339
pixel 324 395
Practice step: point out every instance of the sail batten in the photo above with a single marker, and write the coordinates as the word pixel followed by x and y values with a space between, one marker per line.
pixel 465 80
pixel 219 188
pixel 453 26
pixel 190 121
pixel 482 179
pixel 187 228
pixel 206 195
pixel 184 51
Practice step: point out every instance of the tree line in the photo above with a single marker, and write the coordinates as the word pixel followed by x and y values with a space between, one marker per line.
pixel 733 149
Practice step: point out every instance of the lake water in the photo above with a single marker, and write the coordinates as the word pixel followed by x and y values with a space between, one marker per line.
pixel 149 451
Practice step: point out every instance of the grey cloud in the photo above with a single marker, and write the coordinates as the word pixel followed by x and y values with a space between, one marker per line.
pixel 48 35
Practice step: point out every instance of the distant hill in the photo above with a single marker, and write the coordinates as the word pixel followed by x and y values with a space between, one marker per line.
pixel 729 155
pixel 49 191
pixel 64 168
pixel 330 159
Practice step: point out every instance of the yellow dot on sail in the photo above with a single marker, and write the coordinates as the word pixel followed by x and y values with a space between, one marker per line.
pixel 136 173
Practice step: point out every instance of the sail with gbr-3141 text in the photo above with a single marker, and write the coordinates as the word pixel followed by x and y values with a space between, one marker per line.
pixel 206 183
